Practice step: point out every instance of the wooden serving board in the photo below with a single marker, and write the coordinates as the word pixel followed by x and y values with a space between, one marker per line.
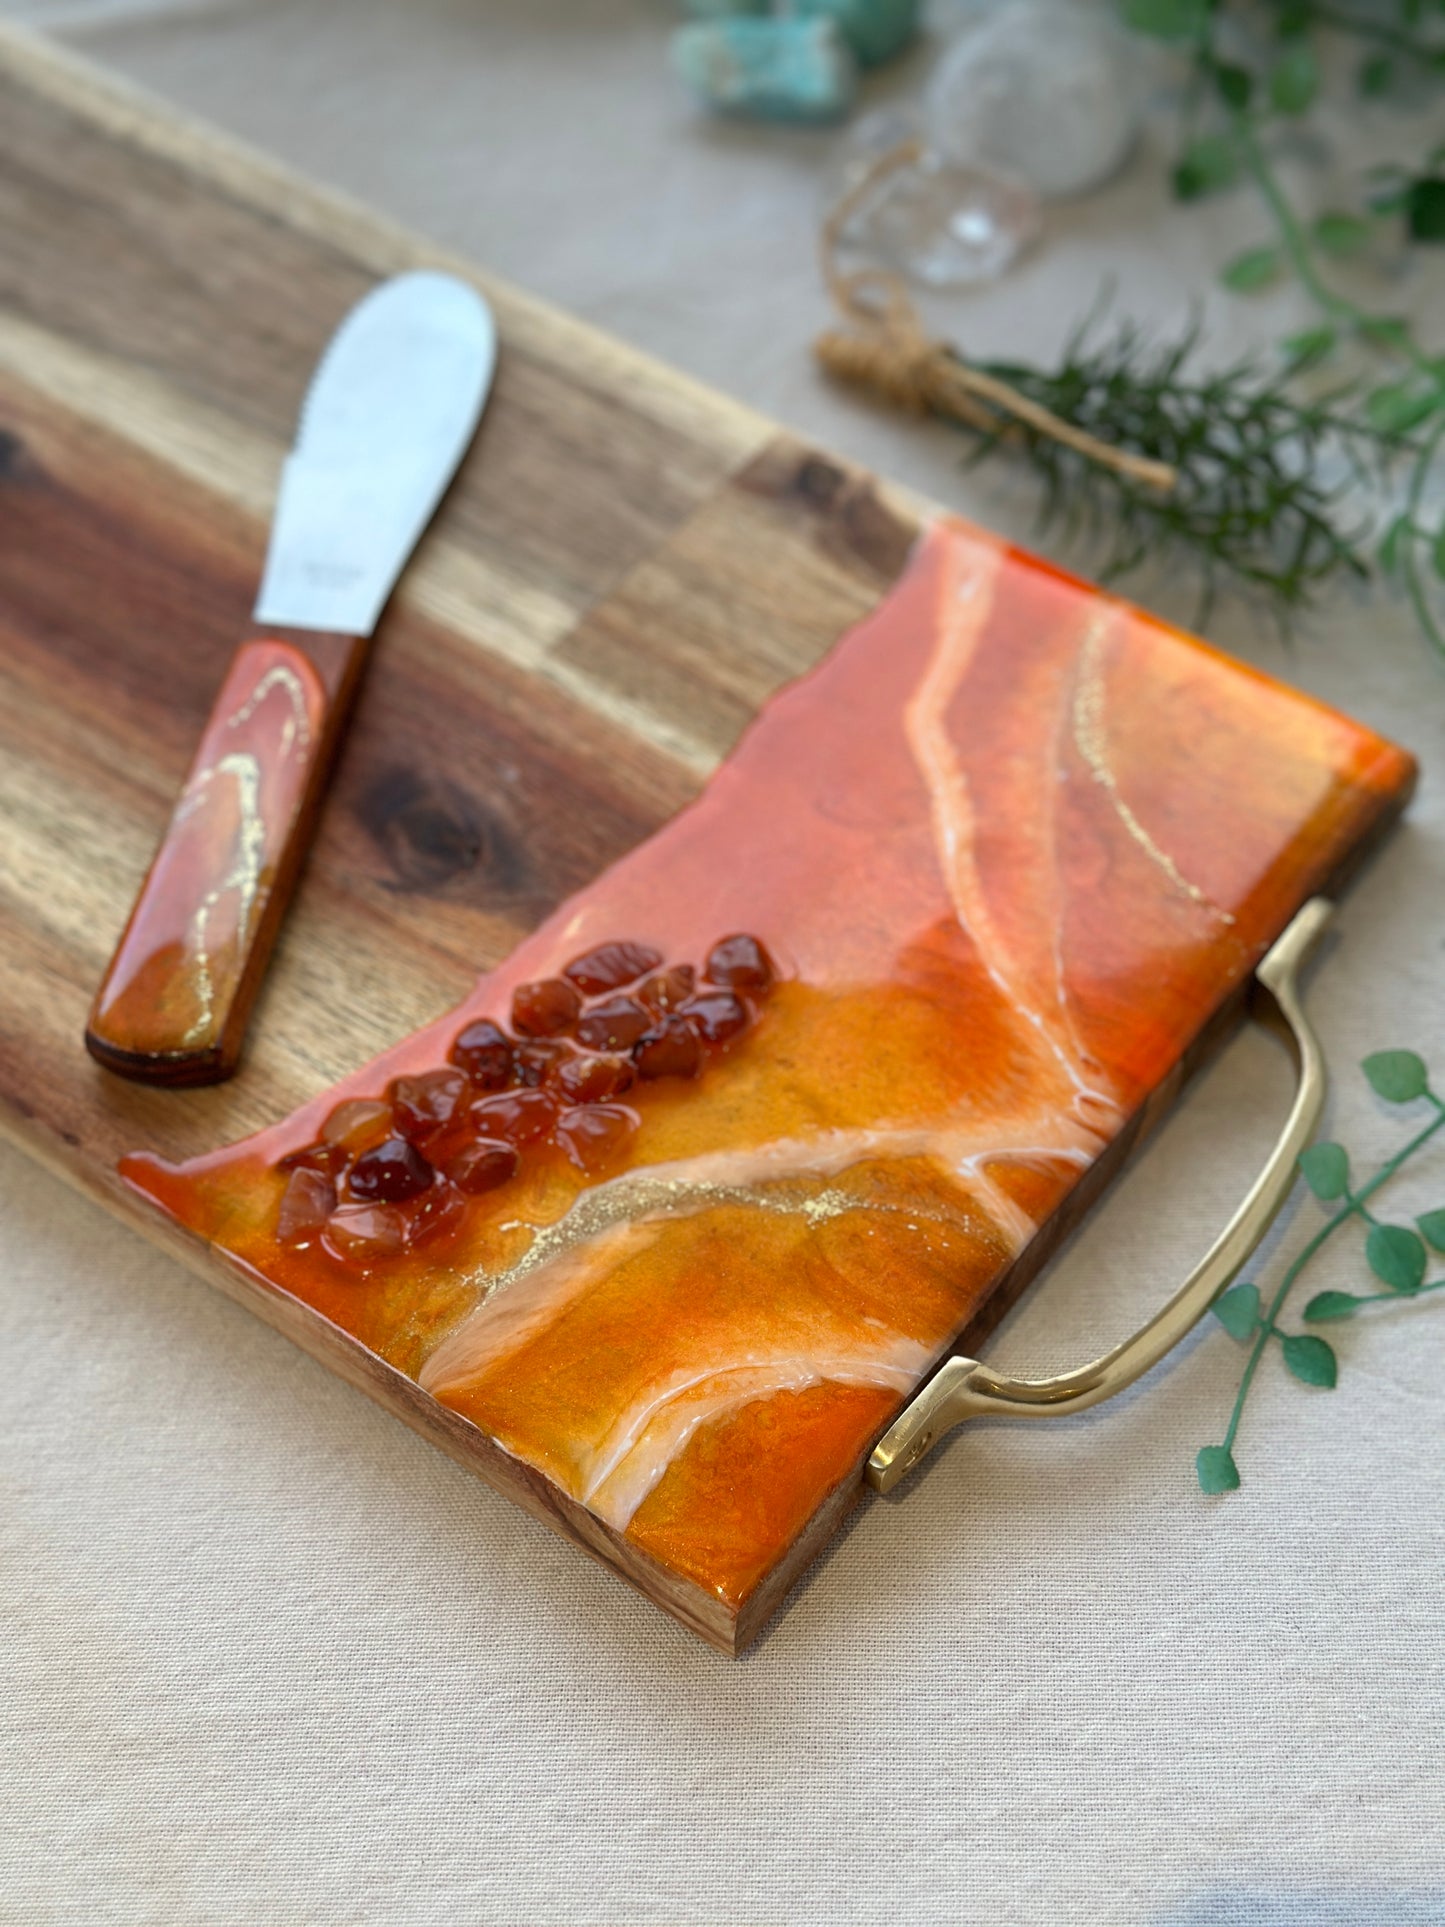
pixel 625 569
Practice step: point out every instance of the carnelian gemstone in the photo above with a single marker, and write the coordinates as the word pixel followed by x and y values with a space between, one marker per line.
pixel 591 1080
pixel 424 1105
pixel 358 1124
pixel 614 1024
pixel 484 1051
pixel 740 961
pixel 610 966
pixel 516 1116
pixel 593 1135
pixel 538 1062
pixel 716 1016
pixel 483 1166
pixel 669 1050
pixel 307 1202
pixel 330 1159
pixel 668 988
pixel 390 1173
pixel 363 1231
pixel 439 1212
pixel 546 1008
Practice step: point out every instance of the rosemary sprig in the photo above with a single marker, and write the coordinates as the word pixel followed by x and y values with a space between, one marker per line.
pixel 1236 469
pixel 1248 506
pixel 1396 1254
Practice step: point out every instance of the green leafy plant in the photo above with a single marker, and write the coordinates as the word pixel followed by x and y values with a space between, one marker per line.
pixel 1233 111
pixel 1396 1255
pixel 1248 505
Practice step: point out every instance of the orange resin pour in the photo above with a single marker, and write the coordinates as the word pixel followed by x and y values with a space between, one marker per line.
pixel 175 970
pixel 1006 851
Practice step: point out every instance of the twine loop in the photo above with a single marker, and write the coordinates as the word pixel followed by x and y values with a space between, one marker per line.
pixel 888 351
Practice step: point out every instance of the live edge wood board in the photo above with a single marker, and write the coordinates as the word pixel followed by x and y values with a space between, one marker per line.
pixel 1011 855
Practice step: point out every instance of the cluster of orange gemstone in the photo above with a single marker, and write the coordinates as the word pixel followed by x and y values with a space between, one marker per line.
pixel 392 1172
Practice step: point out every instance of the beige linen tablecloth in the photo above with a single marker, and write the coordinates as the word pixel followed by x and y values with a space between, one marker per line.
pixel 269 1659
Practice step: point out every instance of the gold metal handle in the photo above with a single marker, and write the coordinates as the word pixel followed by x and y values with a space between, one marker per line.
pixel 964 1388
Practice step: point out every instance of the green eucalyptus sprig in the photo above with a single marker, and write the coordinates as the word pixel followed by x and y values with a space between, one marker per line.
pixel 1250 99
pixel 1397 1256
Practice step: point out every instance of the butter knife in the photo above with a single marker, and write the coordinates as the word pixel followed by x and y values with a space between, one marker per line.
pixel 391 410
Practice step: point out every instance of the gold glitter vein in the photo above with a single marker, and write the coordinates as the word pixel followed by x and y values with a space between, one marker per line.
pixel 1089 735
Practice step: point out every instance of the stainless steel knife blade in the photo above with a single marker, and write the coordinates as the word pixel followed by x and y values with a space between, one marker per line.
pixel 391 410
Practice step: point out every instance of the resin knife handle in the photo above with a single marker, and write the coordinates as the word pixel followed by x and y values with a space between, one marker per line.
pixel 174 1003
